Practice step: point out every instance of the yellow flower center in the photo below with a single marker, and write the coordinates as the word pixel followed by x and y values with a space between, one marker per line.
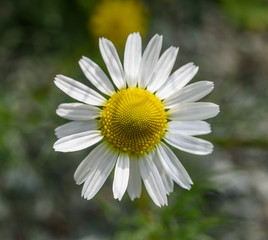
pixel 133 120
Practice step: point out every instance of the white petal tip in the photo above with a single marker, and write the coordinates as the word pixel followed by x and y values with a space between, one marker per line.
pixel 85 197
pixel 60 148
pixel 118 198
pixel 76 178
pixel 209 83
pixel 55 146
pixel 58 77
pixel 187 187
pixel 132 198
pixel 77 182
pixel 56 149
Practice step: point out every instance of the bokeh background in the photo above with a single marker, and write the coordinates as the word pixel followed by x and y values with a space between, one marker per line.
pixel 38 196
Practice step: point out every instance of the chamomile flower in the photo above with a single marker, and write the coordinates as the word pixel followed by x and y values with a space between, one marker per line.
pixel 133 118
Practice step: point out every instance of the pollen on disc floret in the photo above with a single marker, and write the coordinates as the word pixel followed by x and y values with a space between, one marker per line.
pixel 133 120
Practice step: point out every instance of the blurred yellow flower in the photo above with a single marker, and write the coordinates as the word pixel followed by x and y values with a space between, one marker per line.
pixel 116 19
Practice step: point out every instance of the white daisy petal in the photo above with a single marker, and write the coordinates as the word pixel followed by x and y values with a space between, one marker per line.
pixel 177 80
pixel 152 181
pixel 77 111
pixel 189 128
pixel 190 93
pixel 121 176
pixel 189 144
pixel 78 141
pixel 163 69
pixel 166 179
pixel 134 182
pixel 75 127
pixel 168 183
pixel 112 61
pixel 96 76
pixel 193 111
pixel 81 173
pixel 132 59
pixel 98 174
pixel 79 91
pixel 173 166
pixel 149 60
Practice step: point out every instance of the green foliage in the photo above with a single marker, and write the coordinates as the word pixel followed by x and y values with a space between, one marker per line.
pixel 190 215
pixel 251 14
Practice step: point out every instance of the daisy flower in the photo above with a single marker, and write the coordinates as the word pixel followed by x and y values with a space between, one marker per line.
pixel 134 119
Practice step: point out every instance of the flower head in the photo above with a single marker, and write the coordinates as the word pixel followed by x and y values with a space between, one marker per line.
pixel 134 118
pixel 116 19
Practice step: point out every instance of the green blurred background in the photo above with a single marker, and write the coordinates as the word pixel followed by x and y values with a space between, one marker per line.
pixel 38 196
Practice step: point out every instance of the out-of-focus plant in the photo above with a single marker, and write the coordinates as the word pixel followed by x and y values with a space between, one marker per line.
pixel 252 14
pixel 115 20
pixel 191 215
